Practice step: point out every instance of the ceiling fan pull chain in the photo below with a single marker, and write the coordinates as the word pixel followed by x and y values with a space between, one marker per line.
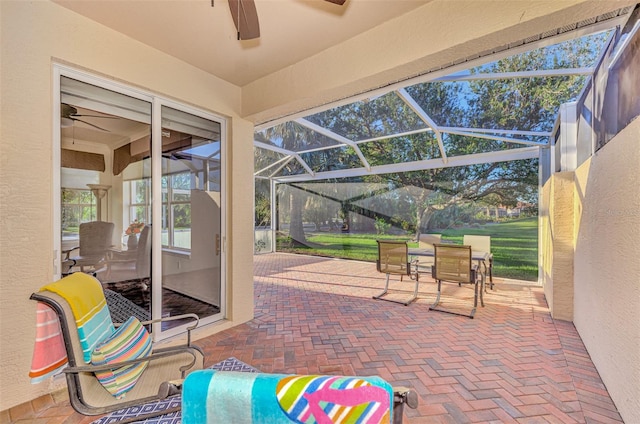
pixel 239 6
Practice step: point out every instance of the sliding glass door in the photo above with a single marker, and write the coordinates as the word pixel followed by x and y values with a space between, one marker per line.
pixel 141 196
pixel 191 214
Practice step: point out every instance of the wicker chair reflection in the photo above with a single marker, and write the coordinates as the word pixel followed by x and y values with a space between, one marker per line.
pixel 130 264
pixel 93 245
pixel 453 264
pixel 161 378
pixel 393 260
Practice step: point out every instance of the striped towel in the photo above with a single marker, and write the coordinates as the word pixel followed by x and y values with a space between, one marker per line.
pixel 223 397
pixel 49 354
pixel 86 299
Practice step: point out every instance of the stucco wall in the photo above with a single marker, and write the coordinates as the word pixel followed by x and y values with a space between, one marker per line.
pixel 607 266
pixel 35 35
pixel 558 244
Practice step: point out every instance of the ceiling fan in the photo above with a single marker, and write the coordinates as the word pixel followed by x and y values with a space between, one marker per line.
pixel 69 114
pixel 245 17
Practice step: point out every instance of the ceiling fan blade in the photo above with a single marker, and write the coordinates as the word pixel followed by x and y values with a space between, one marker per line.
pixel 340 2
pixel 95 116
pixel 245 17
pixel 90 124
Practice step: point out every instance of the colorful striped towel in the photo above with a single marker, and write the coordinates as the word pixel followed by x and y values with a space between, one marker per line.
pixel 86 299
pixel 49 354
pixel 224 397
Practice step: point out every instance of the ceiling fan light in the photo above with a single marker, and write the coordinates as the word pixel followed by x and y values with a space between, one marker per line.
pixel 66 122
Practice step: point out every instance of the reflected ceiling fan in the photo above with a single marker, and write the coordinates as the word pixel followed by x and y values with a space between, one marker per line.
pixel 245 17
pixel 69 114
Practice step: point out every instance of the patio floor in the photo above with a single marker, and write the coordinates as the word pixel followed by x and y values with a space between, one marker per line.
pixel 512 363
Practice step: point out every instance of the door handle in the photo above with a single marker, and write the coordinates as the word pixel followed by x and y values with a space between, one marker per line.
pixel 217 244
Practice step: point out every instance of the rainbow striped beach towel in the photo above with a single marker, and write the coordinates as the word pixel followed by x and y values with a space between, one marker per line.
pixel 225 397
pixel 49 353
pixel 86 298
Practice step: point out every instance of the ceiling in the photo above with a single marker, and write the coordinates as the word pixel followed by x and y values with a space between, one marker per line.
pixel 205 36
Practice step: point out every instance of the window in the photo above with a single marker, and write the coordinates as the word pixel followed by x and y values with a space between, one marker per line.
pixel 139 200
pixel 176 211
pixel 78 206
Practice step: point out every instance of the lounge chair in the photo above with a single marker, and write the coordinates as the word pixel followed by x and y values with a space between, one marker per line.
pixel 165 368
pixel 219 397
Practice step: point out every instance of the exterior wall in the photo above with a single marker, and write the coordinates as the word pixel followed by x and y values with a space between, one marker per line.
pixel 558 245
pixel 607 266
pixel 34 36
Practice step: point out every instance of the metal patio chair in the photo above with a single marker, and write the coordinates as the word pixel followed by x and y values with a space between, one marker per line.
pixel 393 259
pixel 481 244
pixel 162 377
pixel 453 264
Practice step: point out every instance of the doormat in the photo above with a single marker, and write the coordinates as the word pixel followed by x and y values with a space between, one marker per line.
pixel 129 414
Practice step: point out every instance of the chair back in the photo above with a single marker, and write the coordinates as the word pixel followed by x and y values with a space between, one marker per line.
pixel 96 237
pixel 143 253
pixel 478 243
pixel 453 263
pixel 393 257
pixel 427 241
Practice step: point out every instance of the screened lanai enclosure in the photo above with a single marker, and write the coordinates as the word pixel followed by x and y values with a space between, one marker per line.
pixel 459 149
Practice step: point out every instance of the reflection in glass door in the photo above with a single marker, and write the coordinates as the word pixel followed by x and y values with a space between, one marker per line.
pixel 105 174
pixel 191 215
pixel 140 201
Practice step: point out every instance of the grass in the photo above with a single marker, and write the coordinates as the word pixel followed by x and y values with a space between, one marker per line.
pixel 514 245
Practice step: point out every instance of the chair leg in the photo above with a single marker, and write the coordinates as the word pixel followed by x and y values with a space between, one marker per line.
pixel 434 306
pixel 386 288
pixel 491 273
pixel 403 302
pixel 435 303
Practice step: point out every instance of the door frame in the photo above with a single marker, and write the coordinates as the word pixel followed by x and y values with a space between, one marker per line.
pixel 156 101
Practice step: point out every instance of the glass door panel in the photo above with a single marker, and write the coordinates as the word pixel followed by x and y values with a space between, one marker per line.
pixel 191 216
pixel 105 174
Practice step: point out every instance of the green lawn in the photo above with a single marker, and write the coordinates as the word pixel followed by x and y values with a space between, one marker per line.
pixel 514 245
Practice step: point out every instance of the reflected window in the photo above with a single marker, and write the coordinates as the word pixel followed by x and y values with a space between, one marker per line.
pixel 176 211
pixel 78 206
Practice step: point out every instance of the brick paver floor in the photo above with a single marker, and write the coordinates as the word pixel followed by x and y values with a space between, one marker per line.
pixel 511 364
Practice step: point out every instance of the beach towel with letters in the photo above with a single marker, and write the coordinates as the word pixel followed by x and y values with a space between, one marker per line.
pixel 224 397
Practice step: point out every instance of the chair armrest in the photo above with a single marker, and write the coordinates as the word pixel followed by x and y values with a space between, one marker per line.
pixel 195 317
pixel 160 354
pixel 68 251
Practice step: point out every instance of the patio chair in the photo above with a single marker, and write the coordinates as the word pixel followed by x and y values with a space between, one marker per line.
pixel 393 260
pixel 427 241
pixel 481 244
pixel 80 306
pixel 454 265
pixel 130 264
pixel 94 243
